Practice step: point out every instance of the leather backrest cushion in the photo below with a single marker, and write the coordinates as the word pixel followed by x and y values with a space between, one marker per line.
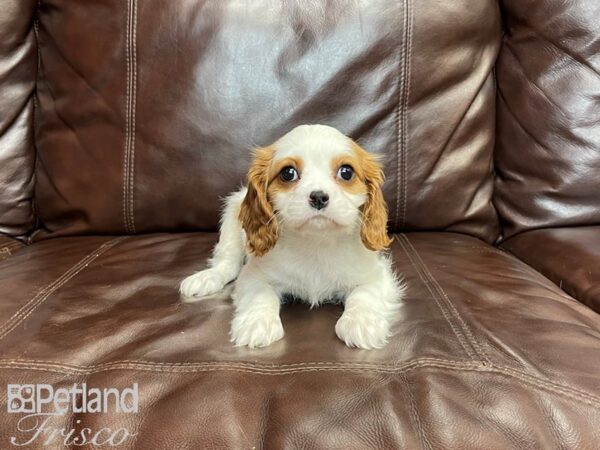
pixel 548 152
pixel 18 62
pixel 149 108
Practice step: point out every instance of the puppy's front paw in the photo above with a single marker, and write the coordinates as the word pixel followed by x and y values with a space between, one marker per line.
pixel 200 284
pixel 256 329
pixel 362 329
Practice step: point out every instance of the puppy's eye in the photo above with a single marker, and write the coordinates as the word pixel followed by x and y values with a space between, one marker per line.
pixel 345 172
pixel 288 174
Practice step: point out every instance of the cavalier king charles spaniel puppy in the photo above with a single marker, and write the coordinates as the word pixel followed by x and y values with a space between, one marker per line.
pixel 312 225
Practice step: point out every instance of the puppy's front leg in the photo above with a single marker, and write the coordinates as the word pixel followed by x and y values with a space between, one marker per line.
pixel 256 321
pixel 369 312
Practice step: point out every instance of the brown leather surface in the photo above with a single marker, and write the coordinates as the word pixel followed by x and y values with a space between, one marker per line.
pixel 488 353
pixel 147 111
pixel 18 60
pixel 8 247
pixel 568 256
pixel 156 104
pixel 547 157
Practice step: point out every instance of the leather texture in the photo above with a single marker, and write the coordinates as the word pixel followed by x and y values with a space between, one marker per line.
pixel 18 62
pixel 158 103
pixel 488 353
pixel 8 247
pixel 547 157
pixel 568 256
pixel 146 112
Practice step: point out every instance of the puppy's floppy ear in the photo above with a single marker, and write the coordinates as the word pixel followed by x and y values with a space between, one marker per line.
pixel 373 231
pixel 256 212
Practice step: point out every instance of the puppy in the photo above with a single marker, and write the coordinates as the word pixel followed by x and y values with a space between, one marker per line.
pixel 310 224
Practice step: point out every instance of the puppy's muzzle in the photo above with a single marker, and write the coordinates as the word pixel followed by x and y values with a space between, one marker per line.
pixel 318 199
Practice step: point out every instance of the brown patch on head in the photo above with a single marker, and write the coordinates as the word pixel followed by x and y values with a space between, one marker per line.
pixel 256 212
pixel 373 231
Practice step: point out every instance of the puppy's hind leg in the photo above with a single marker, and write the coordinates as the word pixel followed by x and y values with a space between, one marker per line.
pixel 228 255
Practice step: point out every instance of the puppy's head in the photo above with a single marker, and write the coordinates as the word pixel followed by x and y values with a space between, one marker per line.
pixel 314 180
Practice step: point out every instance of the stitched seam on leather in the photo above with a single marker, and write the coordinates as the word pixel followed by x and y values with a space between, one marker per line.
pixel 150 365
pixel 133 118
pixel 409 26
pixel 131 93
pixel 399 113
pixel 542 382
pixel 126 151
pixel 466 331
pixel 436 299
pixel 239 363
pixel 557 388
pixel 251 367
pixel 28 308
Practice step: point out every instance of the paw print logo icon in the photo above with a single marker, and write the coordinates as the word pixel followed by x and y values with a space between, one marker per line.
pixel 20 398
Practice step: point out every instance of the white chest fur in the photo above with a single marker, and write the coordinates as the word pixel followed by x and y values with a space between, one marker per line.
pixel 317 269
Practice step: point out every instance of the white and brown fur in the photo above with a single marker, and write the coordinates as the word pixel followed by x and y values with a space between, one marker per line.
pixel 273 242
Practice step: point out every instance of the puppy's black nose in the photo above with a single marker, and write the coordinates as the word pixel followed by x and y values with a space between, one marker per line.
pixel 318 199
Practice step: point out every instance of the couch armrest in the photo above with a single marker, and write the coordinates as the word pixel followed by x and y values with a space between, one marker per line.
pixel 8 246
pixel 570 257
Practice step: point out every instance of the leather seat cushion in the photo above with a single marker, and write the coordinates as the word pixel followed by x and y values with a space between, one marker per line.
pixel 488 353
pixel 568 256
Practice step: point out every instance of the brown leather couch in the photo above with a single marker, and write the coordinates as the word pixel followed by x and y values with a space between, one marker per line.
pixel 123 122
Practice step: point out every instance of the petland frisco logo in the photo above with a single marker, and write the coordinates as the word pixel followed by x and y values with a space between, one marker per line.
pixel 44 405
